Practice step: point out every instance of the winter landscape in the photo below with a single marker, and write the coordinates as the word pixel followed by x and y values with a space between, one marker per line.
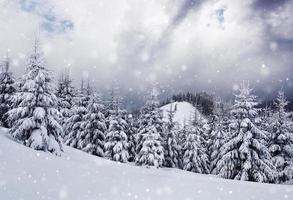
pixel 183 100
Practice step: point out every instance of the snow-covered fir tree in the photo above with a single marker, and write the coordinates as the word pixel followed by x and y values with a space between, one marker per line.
pixel 33 118
pixel 116 147
pixel 218 133
pixel 74 124
pixel 65 94
pixel 113 106
pixel 182 135
pixel 245 156
pixel 86 93
pixel 92 137
pixel 150 151
pixel 266 120
pixel 195 158
pixel 281 141
pixel 7 89
pixel 171 146
pixel 130 130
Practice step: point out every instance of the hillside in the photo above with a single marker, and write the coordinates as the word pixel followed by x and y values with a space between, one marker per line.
pixel 184 112
pixel 34 175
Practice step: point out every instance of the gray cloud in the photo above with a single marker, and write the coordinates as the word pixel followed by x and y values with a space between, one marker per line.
pixel 51 22
pixel 269 4
pixel 177 45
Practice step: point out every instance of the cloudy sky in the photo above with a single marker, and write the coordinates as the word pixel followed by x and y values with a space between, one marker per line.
pixel 210 45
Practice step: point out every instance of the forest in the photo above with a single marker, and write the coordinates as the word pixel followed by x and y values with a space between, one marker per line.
pixel 236 140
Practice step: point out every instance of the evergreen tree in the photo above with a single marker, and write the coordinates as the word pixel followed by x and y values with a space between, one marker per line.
pixel 113 107
pixel 195 158
pixel 65 93
pixel 130 130
pixel 150 151
pixel 92 137
pixel 86 94
pixel 281 143
pixel 182 136
pixel 7 89
pixel 244 156
pixel 74 124
pixel 33 117
pixel 218 132
pixel 172 150
pixel 266 121
pixel 116 146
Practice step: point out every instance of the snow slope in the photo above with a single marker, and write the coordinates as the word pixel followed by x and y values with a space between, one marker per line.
pixel 184 112
pixel 34 175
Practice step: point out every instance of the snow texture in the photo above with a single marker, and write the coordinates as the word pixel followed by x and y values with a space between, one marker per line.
pixel 78 175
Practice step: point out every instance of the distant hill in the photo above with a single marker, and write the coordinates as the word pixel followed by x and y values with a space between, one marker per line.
pixel 203 101
pixel 184 112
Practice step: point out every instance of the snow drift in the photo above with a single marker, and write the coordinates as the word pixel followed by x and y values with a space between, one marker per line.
pixel 35 175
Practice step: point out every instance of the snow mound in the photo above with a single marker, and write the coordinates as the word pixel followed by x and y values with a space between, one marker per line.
pixel 184 112
pixel 28 174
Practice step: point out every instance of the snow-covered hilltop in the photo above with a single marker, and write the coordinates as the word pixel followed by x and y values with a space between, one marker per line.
pixel 33 175
pixel 184 112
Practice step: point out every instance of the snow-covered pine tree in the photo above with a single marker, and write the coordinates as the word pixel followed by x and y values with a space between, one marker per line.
pixel 244 156
pixel 92 137
pixel 33 117
pixel 86 93
pixel 182 135
pixel 218 132
pixel 7 89
pixel 113 106
pixel 130 131
pixel 65 94
pixel 150 151
pixel 195 158
pixel 171 147
pixel 281 141
pixel 74 124
pixel 116 147
pixel 266 120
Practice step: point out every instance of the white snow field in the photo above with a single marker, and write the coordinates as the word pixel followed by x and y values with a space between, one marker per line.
pixel 184 112
pixel 26 174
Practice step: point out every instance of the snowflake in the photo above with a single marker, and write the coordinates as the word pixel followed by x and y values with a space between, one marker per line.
pixel 183 68
pixel 235 87
pixel 15 62
pixel 85 74
pixel 145 56
pixel 63 193
pixel 273 46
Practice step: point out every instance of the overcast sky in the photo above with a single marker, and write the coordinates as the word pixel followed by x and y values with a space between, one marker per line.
pixel 178 45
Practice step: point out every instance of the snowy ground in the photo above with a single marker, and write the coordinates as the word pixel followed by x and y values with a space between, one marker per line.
pixel 33 175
